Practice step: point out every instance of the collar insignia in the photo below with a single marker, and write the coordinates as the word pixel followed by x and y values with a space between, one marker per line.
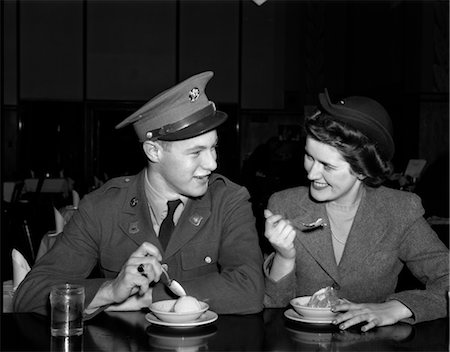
pixel 134 202
pixel 196 219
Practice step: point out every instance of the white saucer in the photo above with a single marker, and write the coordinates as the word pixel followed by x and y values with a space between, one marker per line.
pixel 179 341
pixel 205 318
pixel 310 337
pixel 293 315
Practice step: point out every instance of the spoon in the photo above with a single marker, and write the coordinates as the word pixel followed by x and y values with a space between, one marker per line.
pixel 172 284
pixel 318 223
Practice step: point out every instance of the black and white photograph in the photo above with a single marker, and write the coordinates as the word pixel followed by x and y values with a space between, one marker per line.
pixel 224 175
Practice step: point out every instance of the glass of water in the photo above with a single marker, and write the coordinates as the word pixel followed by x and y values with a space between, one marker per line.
pixel 67 306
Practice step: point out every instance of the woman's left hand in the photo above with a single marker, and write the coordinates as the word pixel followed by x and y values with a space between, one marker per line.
pixel 375 314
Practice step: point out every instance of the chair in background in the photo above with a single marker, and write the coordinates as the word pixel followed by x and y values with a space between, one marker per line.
pixel 47 185
pixel 12 191
pixel 29 239
pixel 16 215
pixel 50 237
pixel 75 199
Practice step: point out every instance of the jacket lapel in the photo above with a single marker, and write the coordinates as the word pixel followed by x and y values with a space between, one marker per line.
pixel 317 241
pixel 366 232
pixel 192 219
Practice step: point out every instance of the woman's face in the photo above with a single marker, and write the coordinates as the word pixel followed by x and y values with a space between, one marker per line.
pixel 331 177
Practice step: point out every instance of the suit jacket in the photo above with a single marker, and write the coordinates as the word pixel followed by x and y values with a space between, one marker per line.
pixel 213 252
pixel 388 232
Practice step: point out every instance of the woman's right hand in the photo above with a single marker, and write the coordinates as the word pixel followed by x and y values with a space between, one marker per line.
pixel 281 234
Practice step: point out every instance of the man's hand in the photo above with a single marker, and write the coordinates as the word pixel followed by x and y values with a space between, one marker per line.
pixel 135 302
pixel 130 281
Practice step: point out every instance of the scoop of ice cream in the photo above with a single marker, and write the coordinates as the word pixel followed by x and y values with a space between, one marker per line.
pixel 186 304
pixel 324 298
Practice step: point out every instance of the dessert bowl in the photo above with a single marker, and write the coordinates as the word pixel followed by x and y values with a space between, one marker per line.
pixel 300 305
pixel 164 310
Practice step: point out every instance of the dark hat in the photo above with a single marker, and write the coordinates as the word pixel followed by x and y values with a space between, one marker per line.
pixel 180 112
pixel 365 115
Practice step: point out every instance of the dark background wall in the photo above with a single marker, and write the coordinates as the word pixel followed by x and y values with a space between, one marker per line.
pixel 72 69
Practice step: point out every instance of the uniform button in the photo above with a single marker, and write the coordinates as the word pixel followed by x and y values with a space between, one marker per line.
pixel 127 180
pixel 336 286
pixel 208 259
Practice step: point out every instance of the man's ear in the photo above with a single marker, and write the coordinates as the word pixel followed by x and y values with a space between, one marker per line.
pixel 152 150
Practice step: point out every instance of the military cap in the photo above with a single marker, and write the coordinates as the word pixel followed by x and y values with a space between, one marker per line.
pixel 180 112
pixel 366 115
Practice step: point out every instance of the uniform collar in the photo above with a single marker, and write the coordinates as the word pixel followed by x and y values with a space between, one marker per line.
pixel 157 201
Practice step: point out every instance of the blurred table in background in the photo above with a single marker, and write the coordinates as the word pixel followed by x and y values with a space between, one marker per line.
pixel 8 190
pixel 49 185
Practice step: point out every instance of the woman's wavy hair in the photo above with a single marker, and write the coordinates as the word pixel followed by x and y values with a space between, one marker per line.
pixel 356 149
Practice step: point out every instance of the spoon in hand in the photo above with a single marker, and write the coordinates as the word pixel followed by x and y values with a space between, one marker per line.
pixel 318 223
pixel 172 284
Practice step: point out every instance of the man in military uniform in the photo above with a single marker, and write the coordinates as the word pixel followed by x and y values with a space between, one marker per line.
pixel 121 227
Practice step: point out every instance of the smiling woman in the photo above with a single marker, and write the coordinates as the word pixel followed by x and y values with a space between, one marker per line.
pixel 373 231
pixel 332 178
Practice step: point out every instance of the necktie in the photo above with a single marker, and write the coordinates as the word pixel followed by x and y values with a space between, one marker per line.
pixel 167 226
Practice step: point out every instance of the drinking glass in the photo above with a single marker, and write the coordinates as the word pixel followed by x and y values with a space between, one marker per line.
pixel 67 306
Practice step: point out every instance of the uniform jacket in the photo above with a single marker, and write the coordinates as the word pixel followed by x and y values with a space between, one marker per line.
pixel 213 252
pixel 388 232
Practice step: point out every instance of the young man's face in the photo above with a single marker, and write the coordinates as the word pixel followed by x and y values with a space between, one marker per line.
pixel 185 166
pixel 332 178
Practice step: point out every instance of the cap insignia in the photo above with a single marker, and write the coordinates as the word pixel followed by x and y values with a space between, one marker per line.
pixel 194 93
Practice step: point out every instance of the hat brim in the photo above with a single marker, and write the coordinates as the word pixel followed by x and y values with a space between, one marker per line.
pixel 198 128
pixel 362 122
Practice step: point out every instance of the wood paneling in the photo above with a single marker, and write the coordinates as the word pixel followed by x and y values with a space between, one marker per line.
pixel 263 55
pixel 52 139
pixel 51 50
pixel 131 49
pixel 9 57
pixel 209 40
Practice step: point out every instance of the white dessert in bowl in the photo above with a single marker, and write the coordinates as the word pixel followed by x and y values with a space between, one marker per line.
pixel 318 306
pixel 187 304
pixel 182 310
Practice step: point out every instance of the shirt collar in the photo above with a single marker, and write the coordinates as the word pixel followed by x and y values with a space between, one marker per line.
pixel 157 201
